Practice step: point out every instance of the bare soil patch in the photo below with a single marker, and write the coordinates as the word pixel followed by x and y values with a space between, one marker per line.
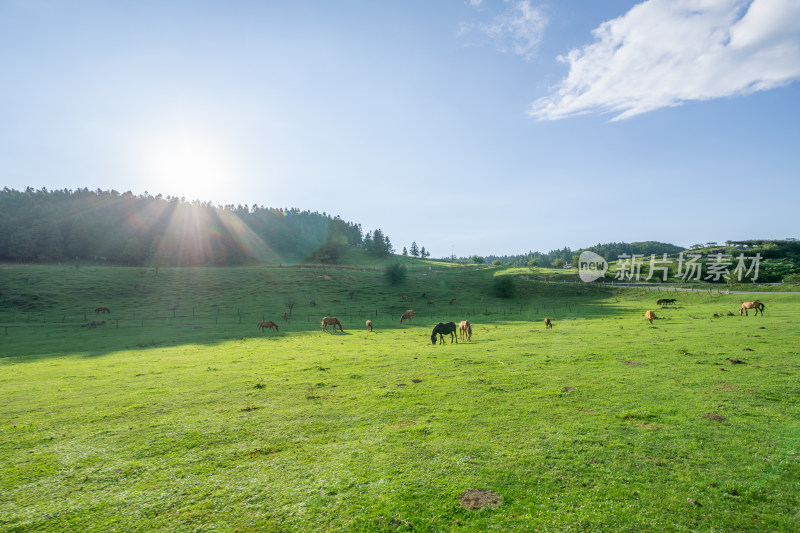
pixel 479 498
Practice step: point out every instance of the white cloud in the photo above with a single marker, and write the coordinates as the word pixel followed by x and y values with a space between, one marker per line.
pixel 518 29
pixel 666 52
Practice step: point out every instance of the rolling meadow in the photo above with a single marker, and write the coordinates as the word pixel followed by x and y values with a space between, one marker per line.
pixel 179 414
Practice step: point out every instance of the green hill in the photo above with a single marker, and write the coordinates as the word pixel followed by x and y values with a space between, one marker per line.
pixel 174 412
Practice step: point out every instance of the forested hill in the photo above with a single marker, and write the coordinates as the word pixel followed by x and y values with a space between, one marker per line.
pixel 559 258
pixel 124 229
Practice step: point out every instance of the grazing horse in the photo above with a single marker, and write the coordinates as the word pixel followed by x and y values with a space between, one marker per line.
pixel 758 306
pixel 452 301
pixel 285 316
pixel 312 303
pixel 107 310
pixel 411 312
pixel 665 301
pixel 406 316
pixel 649 315
pixel 431 303
pixel 369 325
pixel 465 330
pixel 442 330
pixel 268 324
pixel 547 323
pixel 331 321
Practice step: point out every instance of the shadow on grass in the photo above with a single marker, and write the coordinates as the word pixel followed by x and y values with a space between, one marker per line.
pixel 36 336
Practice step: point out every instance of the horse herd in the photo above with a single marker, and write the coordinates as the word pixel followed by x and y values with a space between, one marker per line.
pixel 464 328
pixel 758 306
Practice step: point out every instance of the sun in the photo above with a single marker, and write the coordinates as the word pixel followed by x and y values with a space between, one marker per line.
pixel 191 166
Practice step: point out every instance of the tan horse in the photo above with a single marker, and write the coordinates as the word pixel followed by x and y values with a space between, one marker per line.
pixel 268 324
pixel 285 316
pixel 369 325
pixel 465 330
pixel 406 316
pixel 758 306
pixel 547 323
pixel 649 315
pixel 411 312
pixel 331 321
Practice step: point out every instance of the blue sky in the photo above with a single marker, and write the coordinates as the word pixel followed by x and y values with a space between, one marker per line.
pixel 471 127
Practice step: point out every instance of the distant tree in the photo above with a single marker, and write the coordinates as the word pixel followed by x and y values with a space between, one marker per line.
pixel 497 263
pixel 405 252
pixel 559 262
pixel 379 245
pixel 533 263
pixel 395 273
pixel 414 249
pixel 21 245
pixel 478 260
pixel 503 286
pixel 424 254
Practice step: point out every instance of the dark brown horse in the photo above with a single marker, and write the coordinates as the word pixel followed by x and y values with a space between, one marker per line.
pixel 331 321
pixel 758 306
pixel 443 329
pixel 102 310
pixel 285 316
pixel 268 324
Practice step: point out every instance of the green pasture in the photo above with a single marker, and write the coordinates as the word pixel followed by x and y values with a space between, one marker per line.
pixel 178 414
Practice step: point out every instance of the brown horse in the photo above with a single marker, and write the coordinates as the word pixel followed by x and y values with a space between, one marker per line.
pixel 369 325
pixel 285 316
pixel 547 323
pixel 431 303
pixel 331 321
pixel 649 315
pixel 465 330
pixel 268 324
pixel 107 310
pixel 758 306
pixel 406 316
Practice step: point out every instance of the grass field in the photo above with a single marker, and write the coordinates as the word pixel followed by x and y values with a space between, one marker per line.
pixel 179 415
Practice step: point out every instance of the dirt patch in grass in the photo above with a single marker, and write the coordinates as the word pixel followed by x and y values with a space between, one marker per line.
pixel 479 498
pixel 714 416
pixel 648 426
pixel 632 363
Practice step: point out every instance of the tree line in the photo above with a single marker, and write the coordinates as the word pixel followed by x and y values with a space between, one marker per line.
pixel 126 229
pixel 566 256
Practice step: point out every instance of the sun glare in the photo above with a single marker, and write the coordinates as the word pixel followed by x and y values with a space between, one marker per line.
pixel 193 168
